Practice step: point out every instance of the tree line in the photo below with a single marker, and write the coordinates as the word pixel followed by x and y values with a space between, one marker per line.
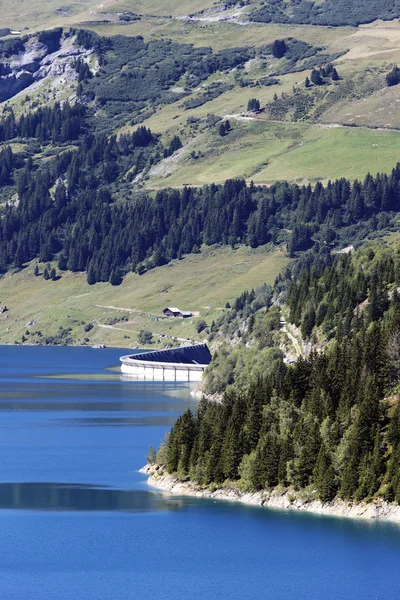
pixel 75 207
pixel 57 124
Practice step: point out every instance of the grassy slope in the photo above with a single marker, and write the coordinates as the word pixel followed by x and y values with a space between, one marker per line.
pixel 38 14
pixel 201 283
pixel 381 109
pixel 368 47
pixel 297 152
pixel 266 152
pixel 334 153
pixel 221 35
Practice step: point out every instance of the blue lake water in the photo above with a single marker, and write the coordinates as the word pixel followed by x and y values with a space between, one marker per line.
pixel 77 521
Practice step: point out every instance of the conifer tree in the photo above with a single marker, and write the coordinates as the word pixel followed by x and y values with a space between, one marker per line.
pixel 115 277
pixel 279 48
pixel 316 78
pixel 91 275
pixel 324 476
pixel 335 75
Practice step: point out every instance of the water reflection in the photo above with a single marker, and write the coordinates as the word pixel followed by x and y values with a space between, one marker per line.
pixel 82 497
pixel 113 375
pixel 160 421
pixel 94 406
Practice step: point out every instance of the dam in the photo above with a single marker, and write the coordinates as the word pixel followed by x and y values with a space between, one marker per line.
pixel 176 364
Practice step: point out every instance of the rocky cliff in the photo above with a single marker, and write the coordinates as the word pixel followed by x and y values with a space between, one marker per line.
pixel 37 58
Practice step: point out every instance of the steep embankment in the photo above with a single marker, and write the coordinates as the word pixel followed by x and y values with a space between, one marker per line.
pixel 280 499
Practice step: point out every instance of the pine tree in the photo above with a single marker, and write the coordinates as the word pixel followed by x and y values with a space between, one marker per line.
pixel 254 417
pixel 334 75
pixel 91 274
pixel 115 277
pixel 151 455
pixel 253 105
pixel 62 262
pixel 230 457
pixel 324 476
pixel 316 78
pixel 393 78
pixel 308 323
pixel 376 465
pixel 279 48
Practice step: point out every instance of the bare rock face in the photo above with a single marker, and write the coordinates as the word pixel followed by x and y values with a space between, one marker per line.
pixel 37 63
pixel 34 53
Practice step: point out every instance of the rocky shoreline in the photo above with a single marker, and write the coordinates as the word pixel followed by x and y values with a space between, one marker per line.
pixel 288 500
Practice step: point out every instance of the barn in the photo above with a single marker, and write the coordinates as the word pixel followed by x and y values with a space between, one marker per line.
pixel 172 311
pixel 184 314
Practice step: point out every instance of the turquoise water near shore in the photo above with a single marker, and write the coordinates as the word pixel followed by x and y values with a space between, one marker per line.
pixel 77 520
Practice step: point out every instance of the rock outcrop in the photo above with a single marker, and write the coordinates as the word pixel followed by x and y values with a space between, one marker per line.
pixel 37 62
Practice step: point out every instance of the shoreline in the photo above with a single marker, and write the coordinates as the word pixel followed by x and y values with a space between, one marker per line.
pixel 283 499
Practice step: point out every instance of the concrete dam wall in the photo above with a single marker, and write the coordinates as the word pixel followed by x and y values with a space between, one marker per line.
pixel 177 364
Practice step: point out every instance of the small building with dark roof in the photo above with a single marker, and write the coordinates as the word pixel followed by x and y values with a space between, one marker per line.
pixel 172 311
pixel 184 314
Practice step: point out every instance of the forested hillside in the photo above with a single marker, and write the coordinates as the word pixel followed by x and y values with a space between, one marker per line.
pixel 328 424
pixel 76 207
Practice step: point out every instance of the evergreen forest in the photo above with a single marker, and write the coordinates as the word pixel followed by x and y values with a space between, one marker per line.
pixel 77 207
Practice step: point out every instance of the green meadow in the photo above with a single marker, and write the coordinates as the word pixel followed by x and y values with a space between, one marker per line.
pixel 202 283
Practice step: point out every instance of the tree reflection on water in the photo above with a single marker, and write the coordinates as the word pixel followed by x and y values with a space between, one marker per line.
pixel 82 497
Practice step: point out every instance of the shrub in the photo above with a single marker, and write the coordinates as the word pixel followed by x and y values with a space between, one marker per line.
pixel 201 326
pixel 145 337
pixel 393 78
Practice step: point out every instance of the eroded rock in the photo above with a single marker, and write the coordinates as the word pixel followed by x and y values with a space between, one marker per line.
pixel 36 63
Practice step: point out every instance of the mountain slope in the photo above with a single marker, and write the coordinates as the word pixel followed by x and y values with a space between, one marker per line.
pixel 327 425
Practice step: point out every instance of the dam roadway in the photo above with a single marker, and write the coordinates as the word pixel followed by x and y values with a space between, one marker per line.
pixel 176 364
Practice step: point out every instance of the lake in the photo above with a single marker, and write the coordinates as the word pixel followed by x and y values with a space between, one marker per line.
pixel 77 520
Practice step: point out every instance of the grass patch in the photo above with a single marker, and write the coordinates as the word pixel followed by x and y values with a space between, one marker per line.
pixel 334 153
pixel 380 109
pixel 266 152
pixel 202 283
